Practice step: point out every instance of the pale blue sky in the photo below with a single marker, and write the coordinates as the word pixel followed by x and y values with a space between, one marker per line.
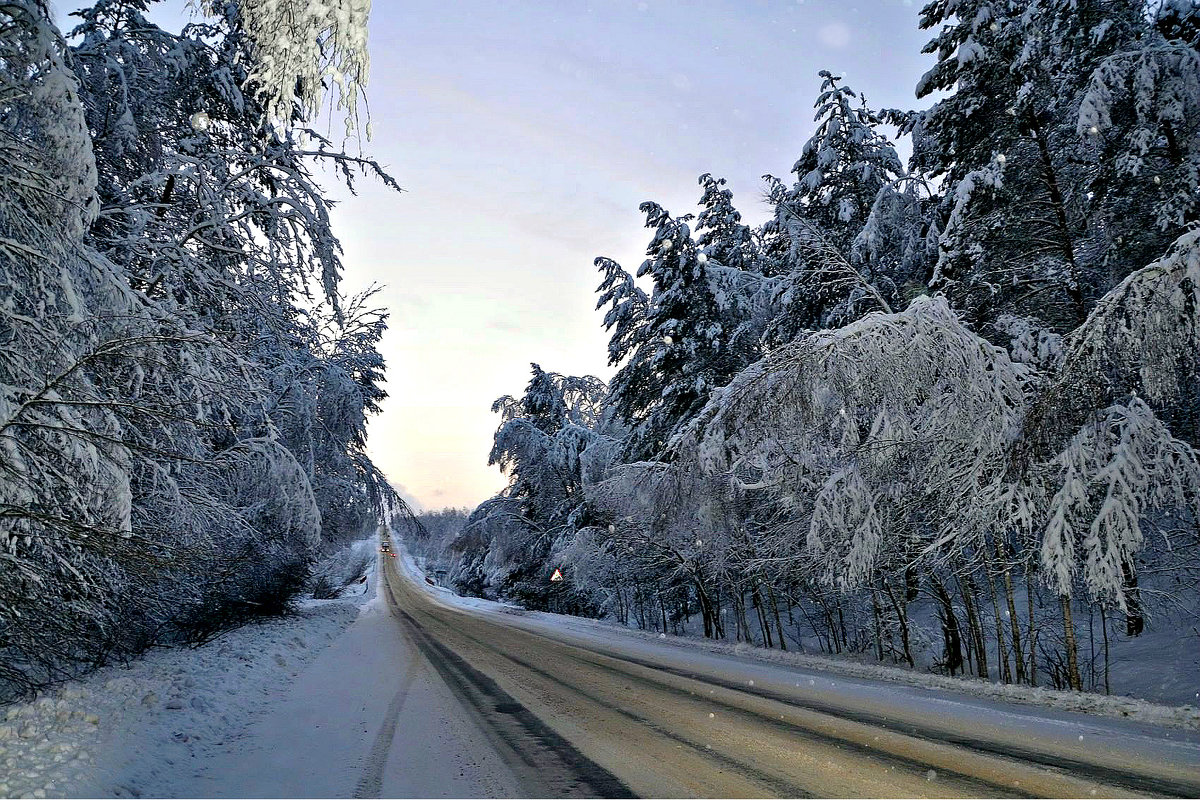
pixel 526 135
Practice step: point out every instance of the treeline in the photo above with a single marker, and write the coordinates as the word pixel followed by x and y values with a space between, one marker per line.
pixel 184 387
pixel 942 413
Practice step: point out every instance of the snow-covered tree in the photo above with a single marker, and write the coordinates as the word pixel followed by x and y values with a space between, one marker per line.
pixel 1111 441
pixel 1067 147
pixel 676 346
pixel 841 172
pixel 176 427
pixel 972 380
pixel 539 446
pixel 843 165
pixel 876 439
pixel 1118 473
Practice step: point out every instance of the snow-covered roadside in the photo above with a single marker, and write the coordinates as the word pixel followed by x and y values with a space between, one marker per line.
pixel 127 726
pixel 1119 707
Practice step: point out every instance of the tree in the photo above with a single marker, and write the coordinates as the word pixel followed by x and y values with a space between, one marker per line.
pixel 175 431
pixel 539 445
pixel 1035 223
pixel 680 343
pixel 841 173
pixel 847 428
pixel 842 166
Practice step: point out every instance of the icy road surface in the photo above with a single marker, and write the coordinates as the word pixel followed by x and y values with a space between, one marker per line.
pixel 629 715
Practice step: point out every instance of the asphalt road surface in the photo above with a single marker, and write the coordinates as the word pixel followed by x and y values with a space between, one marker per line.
pixel 573 717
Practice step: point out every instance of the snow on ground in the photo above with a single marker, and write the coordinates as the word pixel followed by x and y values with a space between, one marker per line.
pixel 133 730
pixel 369 717
pixel 333 701
pixel 616 636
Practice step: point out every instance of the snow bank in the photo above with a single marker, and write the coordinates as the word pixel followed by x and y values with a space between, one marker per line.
pixel 124 726
pixel 1187 716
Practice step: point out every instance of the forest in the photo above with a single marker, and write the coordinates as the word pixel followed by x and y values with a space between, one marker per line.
pixel 940 411
pixel 184 380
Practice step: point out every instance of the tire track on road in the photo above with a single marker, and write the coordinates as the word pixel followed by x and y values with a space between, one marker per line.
pixel 546 764
pixel 370 784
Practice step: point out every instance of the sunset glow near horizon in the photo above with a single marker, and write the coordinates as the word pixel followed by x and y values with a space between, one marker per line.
pixel 525 137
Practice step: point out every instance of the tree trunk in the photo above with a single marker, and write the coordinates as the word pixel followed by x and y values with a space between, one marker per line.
pixel 759 607
pixel 1032 627
pixel 967 589
pixel 842 624
pixel 1091 647
pixel 912 584
pixel 1001 645
pixel 902 615
pixel 1066 243
pixel 1104 629
pixel 830 626
pixel 775 612
pixel 1072 650
pixel 823 640
pixel 1015 625
pixel 878 626
pixel 706 610
pixel 952 640
pixel 1135 623
pixel 718 620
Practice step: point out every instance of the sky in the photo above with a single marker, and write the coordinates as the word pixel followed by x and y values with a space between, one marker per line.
pixel 525 135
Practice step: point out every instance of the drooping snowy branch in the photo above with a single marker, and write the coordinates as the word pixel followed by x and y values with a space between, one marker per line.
pixel 1144 335
pixel 1114 473
pixel 870 425
pixel 302 51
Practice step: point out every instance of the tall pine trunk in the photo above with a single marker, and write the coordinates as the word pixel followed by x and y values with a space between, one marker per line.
pixel 966 587
pixel 1072 648
pixel 775 612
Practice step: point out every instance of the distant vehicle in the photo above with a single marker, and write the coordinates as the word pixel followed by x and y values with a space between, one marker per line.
pixel 429 580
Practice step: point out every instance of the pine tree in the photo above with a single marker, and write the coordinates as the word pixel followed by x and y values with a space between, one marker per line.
pixel 842 167
pixel 1050 202
pixel 841 172
pixel 684 345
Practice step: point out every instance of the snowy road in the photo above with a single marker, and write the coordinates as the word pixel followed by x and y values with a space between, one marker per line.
pixel 570 711
pixel 426 694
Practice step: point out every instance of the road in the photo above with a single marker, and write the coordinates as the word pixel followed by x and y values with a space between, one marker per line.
pixel 571 715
